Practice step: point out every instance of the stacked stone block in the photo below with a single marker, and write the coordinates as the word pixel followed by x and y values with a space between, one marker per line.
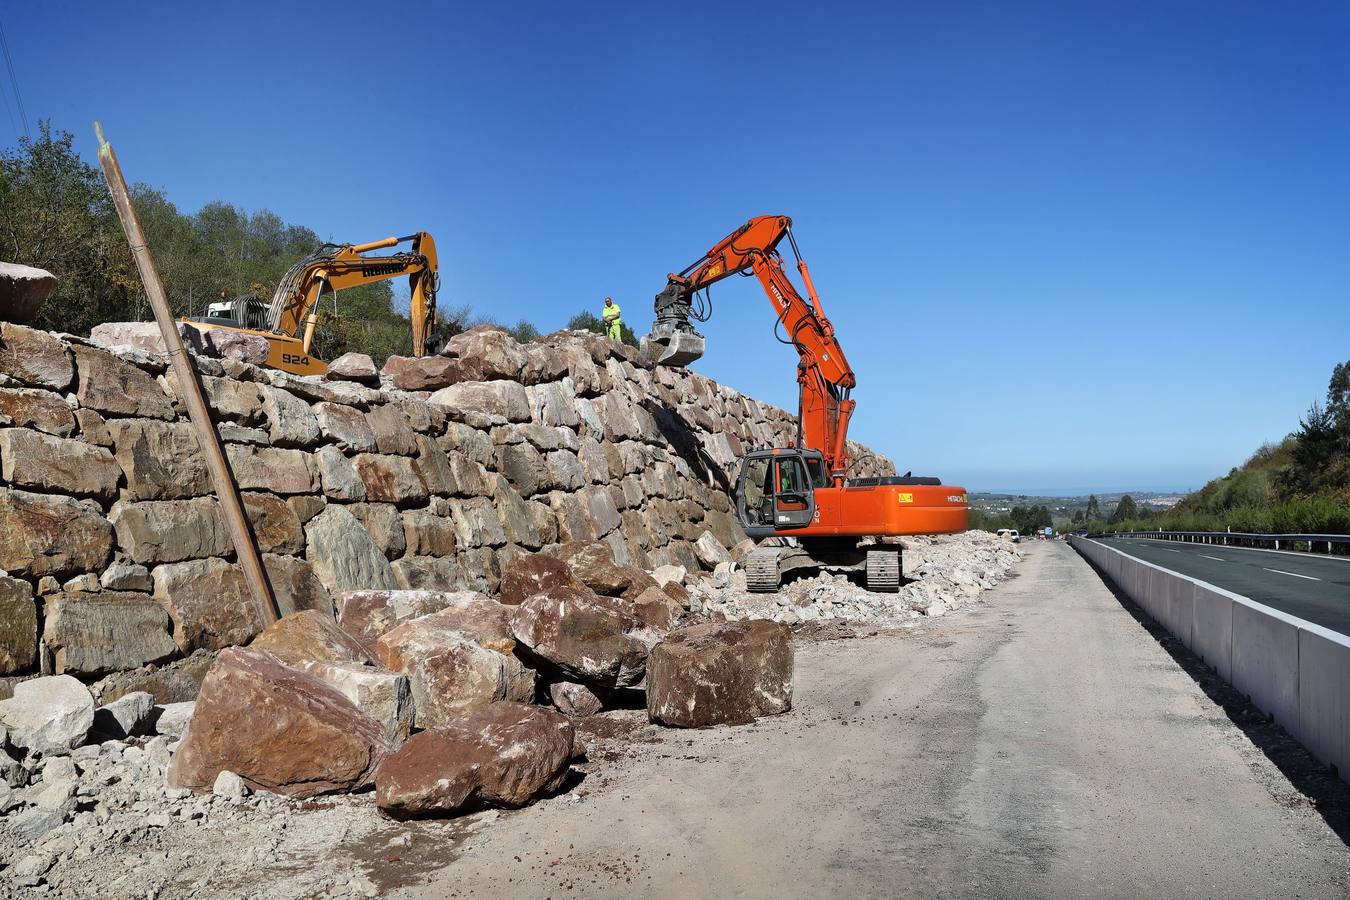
pixel 115 555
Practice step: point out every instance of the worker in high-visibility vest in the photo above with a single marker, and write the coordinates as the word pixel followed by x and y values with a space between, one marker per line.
pixel 612 318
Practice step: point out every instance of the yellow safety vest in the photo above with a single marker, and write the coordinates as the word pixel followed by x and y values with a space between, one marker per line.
pixel 610 313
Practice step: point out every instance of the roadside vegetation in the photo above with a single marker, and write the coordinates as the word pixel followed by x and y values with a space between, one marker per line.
pixel 1300 485
pixel 56 214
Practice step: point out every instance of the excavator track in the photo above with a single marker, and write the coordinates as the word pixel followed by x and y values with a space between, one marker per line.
pixel 883 571
pixel 761 571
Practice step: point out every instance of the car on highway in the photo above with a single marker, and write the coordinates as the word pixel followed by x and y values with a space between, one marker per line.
pixel 1010 534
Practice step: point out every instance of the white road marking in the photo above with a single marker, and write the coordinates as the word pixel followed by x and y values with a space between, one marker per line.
pixel 1169 549
pixel 1215 558
pixel 1295 574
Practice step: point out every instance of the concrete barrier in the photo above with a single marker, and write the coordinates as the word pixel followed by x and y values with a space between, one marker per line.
pixel 1295 671
pixel 1265 663
pixel 1323 685
pixel 1212 630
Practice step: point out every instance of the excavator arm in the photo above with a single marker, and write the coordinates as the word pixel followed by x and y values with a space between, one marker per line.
pixel 294 308
pixel 823 372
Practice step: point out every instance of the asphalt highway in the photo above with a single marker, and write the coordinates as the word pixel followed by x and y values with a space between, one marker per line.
pixel 1316 588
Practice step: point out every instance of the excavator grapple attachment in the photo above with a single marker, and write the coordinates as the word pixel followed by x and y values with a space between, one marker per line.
pixel 673 348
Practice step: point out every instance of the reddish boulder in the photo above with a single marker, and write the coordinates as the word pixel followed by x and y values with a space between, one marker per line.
pixel 308 635
pixel 22 290
pixel 727 673
pixel 588 638
pixel 480 617
pixel 573 699
pixel 505 754
pixel 356 367
pixel 487 353
pixel 451 674
pixel 527 575
pixel 368 615
pixel 425 373
pixel 657 609
pixel 278 728
pixel 593 563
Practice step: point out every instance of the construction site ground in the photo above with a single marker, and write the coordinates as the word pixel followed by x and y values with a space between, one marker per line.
pixel 1043 743
pixel 1046 741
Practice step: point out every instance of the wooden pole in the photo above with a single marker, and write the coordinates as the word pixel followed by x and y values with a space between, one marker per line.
pixel 226 492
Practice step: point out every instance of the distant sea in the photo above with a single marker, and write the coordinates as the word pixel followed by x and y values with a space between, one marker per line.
pixel 1081 491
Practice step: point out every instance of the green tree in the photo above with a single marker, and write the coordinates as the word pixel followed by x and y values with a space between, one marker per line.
pixel 1125 510
pixel 1094 508
pixel 56 214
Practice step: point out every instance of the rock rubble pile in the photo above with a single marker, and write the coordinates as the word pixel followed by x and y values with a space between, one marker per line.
pixel 941 574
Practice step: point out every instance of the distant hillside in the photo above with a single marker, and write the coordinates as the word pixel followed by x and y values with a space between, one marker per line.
pixel 1299 485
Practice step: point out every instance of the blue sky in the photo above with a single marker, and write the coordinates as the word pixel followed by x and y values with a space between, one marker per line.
pixel 1075 245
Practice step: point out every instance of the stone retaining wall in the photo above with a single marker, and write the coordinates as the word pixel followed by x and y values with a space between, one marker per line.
pixel 428 475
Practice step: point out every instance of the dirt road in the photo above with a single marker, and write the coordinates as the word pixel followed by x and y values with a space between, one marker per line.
pixel 1043 744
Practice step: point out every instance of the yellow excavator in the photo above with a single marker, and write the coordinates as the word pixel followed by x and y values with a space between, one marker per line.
pixel 289 322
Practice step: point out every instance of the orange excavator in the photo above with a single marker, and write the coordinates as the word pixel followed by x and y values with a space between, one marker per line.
pixel 289 322
pixel 804 492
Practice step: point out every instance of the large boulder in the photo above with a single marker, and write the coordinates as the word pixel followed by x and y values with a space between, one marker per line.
pixel 273 469
pixel 222 343
pixel 426 373
pixel 22 290
pixel 50 715
pixel 290 421
pixel 112 386
pixel 529 574
pixel 156 531
pixel 162 460
pixel 209 602
pixel 279 728
pixel 43 462
pixel 346 426
pixel 505 754
pixel 295 585
pixel 499 398
pixel 592 562
pixel 574 699
pixel 487 353
pixel 450 672
pixel 727 673
pixel 106 631
pixel 368 615
pixel 390 479
pixel 356 367
pixel 586 637
pixel 36 408
pixel 477 615
pixel 48 535
pixel 393 432
pixel 383 695
pixel 343 554
pixel 34 357
pixel 309 635
pixel 18 625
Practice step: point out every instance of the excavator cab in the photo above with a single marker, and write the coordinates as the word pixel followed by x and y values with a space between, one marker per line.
pixel 775 490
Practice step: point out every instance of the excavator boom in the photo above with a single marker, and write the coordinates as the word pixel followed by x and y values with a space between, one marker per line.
pixel 823 371
pixel 838 524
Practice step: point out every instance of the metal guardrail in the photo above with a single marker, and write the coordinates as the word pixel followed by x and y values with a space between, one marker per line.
pixel 1335 544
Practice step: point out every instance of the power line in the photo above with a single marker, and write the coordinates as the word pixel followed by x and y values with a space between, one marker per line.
pixel 14 81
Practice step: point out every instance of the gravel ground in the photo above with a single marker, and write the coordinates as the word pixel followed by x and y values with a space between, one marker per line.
pixel 128 836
